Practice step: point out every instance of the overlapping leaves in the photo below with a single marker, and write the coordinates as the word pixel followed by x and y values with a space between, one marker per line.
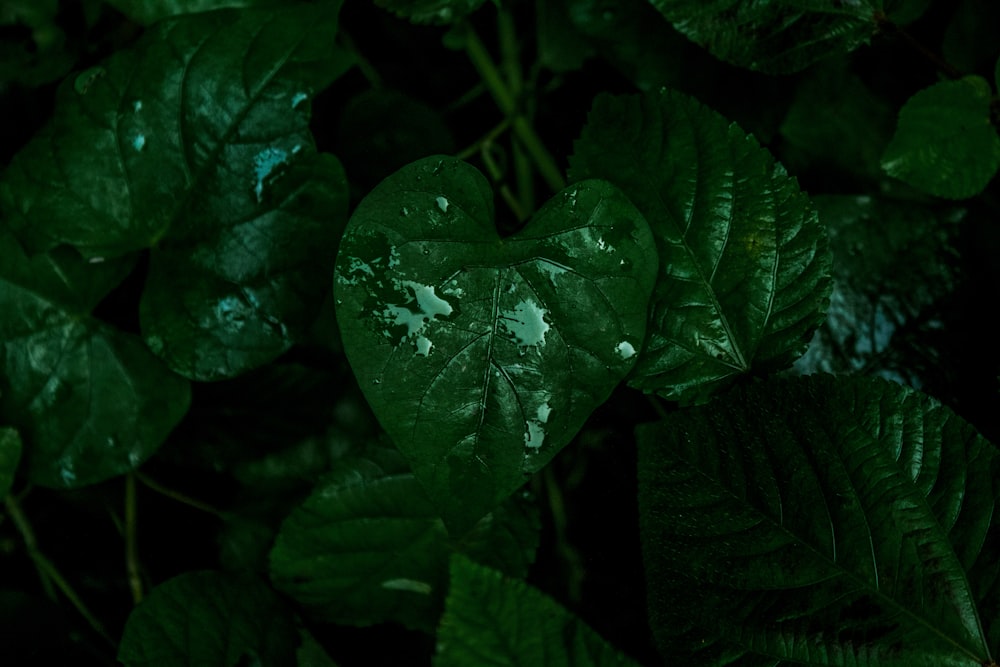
pixel 820 521
pixel 195 143
pixel 744 262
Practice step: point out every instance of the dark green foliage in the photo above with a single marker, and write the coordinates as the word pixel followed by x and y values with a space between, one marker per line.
pixel 466 333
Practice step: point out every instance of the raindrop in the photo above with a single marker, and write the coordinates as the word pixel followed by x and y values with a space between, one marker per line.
pixel 86 79
pixel 264 164
pixel 139 142
pixel 137 106
pixel 299 98
pixel 376 381
pixel 95 260
pixel 442 204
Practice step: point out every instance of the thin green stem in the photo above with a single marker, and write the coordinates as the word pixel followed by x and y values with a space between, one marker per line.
pixel 131 540
pixel 483 63
pixel 48 570
pixel 486 139
pixel 510 63
pixel 364 65
pixel 560 522
pixel 889 27
pixel 180 497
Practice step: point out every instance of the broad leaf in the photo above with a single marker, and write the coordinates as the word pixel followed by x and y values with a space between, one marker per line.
pixel 195 143
pixel 437 12
pixel 10 456
pixel 210 618
pixel 819 521
pixel 481 356
pixel 147 12
pixel 493 620
pixel 945 143
pixel 744 262
pixel 775 36
pixel 90 401
pixel 368 547
pixel 894 266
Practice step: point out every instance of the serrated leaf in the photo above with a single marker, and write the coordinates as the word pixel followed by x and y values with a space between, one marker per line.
pixel 819 521
pixel 90 401
pixel 492 620
pixel 368 547
pixel 10 456
pixel 195 143
pixel 774 36
pixel 744 262
pixel 210 618
pixel 482 357
pixel 436 12
pixel 944 142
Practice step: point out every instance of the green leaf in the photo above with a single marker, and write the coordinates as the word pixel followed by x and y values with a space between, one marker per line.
pixel 774 36
pixel 493 620
pixel 944 142
pixel 90 401
pixel 367 547
pixel 147 13
pixel 436 12
pixel 819 521
pixel 894 262
pixel 482 357
pixel 561 48
pixel 10 456
pixel 744 262
pixel 41 54
pixel 195 143
pixel 210 618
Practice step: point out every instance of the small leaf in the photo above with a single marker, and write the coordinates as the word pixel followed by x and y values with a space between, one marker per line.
pixel 944 142
pixel 195 143
pixel 820 521
pixel 436 12
pixel 744 262
pixel 774 36
pixel 90 401
pixel 482 357
pixel 209 618
pixel 492 620
pixel 368 547
pixel 10 456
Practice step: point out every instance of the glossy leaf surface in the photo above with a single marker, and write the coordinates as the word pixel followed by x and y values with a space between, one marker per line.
pixel 819 521
pixel 90 401
pixel 775 36
pixel 146 13
pixel 945 143
pixel 195 143
pixel 482 356
pixel 493 620
pixel 210 618
pixel 744 261
pixel 368 547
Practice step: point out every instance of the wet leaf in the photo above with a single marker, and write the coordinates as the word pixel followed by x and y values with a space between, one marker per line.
pixel 146 13
pixel 90 401
pixel 744 262
pixel 819 521
pixel 776 36
pixel 945 143
pixel 368 547
pixel 493 620
pixel 482 356
pixel 195 143
pixel 210 618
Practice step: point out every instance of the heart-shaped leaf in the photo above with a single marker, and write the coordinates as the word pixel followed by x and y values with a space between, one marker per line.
pixel 745 263
pixel 483 356
pixel 195 143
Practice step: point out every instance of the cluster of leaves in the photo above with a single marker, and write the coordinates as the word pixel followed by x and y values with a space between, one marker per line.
pixel 244 268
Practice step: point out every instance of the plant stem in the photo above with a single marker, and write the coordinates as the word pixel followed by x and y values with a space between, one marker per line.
pixel 48 570
pixel 364 65
pixel 180 497
pixel 887 26
pixel 510 60
pixel 557 507
pixel 483 63
pixel 131 540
